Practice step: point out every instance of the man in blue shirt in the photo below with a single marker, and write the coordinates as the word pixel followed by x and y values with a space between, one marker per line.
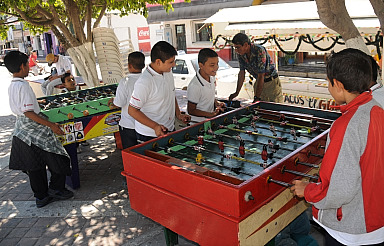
pixel 256 60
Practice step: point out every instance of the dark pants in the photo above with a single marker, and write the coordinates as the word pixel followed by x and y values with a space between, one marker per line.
pixel 128 137
pixel 143 138
pixel 34 161
pixel 39 182
pixel 330 241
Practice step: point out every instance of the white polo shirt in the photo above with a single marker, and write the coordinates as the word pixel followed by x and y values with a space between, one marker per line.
pixel 154 95
pixel 21 97
pixel 202 93
pixel 63 65
pixel 378 93
pixel 123 95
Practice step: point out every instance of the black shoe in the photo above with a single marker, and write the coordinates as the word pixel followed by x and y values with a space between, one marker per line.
pixel 42 202
pixel 60 194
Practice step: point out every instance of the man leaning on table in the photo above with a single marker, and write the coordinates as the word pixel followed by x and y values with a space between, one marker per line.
pixel 255 59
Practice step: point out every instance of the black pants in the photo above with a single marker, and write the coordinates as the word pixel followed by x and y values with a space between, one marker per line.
pixel 143 138
pixel 128 137
pixel 34 161
pixel 39 182
pixel 330 241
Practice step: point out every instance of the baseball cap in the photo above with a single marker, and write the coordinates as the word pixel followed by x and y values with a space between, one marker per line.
pixel 50 58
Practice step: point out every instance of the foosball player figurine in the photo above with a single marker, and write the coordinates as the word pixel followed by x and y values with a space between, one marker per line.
pixel 282 117
pixel 199 158
pixel 235 122
pixel 253 125
pixel 272 129
pixel 271 146
pixel 200 140
pixel 293 133
pixel 242 148
pixel 221 144
pixel 264 155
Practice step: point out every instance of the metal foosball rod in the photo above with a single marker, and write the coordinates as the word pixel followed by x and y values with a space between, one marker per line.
pixel 260 134
pixel 282 116
pixel 285 184
pixel 69 115
pixel 284 169
pixel 275 146
pixel 269 155
pixel 236 170
pixel 299 134
pixel 297 161
pixel 85 112
pixel 200 148
pixel 89 106
pixel 309 153
pixel 309 129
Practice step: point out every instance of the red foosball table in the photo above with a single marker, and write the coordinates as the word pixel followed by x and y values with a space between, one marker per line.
pixel 225 181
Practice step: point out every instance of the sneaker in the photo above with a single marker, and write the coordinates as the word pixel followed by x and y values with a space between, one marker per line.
pixel 42 202
pixel 60 194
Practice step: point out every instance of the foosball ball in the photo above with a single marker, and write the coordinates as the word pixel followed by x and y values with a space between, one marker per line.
pixel 226 180
pixel 83 115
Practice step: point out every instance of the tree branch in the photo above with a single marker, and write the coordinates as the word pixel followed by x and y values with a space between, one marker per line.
pixel 36 22
pixel 334 15
pixel 378 7
pixel 102 12
pixel 74 15
pixel 88 17
pixel 63 28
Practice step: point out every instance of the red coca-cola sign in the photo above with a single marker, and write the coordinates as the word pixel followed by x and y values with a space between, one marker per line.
pixel 144 39
pixel 143 33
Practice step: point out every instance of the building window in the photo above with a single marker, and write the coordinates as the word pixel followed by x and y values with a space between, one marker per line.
pixel 203 32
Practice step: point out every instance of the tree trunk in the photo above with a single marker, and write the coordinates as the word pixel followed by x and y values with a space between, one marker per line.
pixel 83 57
pixel 334 15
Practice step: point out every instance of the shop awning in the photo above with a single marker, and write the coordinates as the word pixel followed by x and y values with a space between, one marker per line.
pixel 192 10
pixel 289 16
pixel 310 24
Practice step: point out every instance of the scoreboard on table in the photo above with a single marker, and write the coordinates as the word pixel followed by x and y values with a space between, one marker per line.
pixel 83 114
pixel 226 180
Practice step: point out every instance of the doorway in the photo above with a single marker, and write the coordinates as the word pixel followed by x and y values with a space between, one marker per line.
pixel 180 38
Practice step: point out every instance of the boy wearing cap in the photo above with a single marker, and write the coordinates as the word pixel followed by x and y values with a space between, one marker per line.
pixel 63 65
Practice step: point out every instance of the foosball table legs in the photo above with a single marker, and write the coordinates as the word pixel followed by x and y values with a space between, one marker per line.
pixel 74 180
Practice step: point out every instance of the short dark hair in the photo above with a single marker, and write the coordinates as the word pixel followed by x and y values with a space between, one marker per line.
pixel 64 76
pixel 137 60
pixel 14 59
pixel 206 53
pixel 162 50
pixel 352 68
pixel 375 67
pixel 241 39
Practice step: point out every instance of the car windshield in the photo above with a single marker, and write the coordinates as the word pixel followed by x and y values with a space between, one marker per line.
pixel 222 64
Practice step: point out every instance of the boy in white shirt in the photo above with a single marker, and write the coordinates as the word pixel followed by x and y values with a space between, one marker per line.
pixel 63 66
pixel 201 89
pixel 34 144
pixel 136 63
pixel 153 104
